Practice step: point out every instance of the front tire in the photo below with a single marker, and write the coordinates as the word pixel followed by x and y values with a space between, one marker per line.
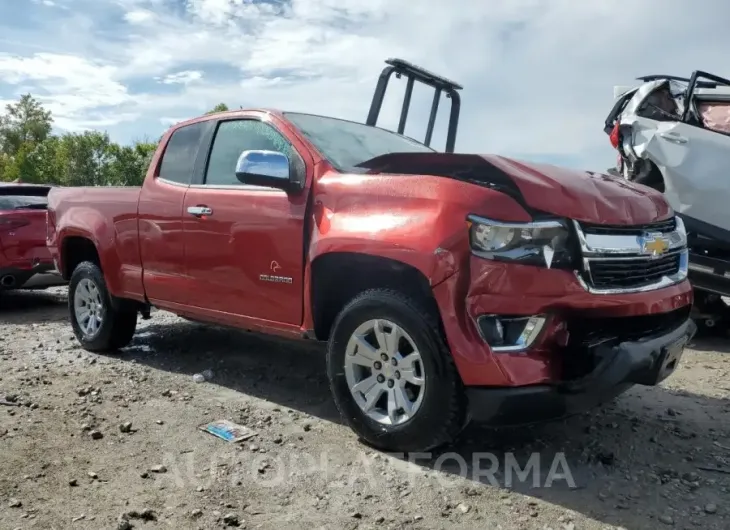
pixel 392 377
pixel 99 325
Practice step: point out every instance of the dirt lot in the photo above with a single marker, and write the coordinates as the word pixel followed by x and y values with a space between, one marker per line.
pixel 656 458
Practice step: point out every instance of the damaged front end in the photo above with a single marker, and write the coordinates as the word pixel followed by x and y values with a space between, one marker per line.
pixel 566 314
pixel 598 366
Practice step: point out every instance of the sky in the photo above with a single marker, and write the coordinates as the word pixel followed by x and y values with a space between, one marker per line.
pixel 538 75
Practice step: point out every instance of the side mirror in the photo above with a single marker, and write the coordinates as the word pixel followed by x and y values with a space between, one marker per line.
pixel 264 168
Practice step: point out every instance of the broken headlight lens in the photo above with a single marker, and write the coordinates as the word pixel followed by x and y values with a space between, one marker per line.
pixel 541 243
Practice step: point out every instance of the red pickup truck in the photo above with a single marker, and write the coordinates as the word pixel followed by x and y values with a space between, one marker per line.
pixel 448 286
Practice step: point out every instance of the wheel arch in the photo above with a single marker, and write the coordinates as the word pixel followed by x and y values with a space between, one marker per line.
pixel 338 277
pixel 76 249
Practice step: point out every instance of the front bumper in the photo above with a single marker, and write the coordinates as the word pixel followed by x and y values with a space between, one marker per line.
pixel 644 362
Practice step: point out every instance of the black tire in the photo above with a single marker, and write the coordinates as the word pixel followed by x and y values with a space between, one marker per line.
pixel 119 319
pixel 443 412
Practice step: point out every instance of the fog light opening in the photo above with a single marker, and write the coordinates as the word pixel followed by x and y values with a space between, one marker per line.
pixel 509 334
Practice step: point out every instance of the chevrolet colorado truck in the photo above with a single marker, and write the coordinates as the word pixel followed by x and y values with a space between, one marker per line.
pixel 449 287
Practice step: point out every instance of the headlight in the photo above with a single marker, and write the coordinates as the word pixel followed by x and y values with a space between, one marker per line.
pixel 542 243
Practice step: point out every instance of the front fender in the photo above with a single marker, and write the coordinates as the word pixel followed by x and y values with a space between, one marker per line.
pixel 421 239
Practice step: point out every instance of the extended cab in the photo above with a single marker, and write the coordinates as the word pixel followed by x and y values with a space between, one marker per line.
pixel 448 286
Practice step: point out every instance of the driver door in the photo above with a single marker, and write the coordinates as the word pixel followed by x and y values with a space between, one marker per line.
pixel 246 234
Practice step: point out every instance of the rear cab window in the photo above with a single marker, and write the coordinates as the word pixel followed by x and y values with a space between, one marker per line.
pixel 178 160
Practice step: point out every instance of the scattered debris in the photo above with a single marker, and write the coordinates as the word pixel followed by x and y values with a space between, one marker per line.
pixel 124 524
pixel 144 515
pixel 231 519
pixel 126 427
pixel 202 377
pixel 629 480
pixel 228 431
pixel 723 470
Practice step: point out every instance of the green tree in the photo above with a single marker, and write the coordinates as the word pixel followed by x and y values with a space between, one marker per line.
pixel 220 107
pixel 128 165
pixel 24 122
pixel 29 152
pixel 32 163
pixel 84 159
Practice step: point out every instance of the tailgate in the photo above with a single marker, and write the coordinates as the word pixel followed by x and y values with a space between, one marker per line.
pixel 23 225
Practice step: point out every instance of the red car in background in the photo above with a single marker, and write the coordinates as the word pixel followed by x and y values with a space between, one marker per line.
pixel 25 262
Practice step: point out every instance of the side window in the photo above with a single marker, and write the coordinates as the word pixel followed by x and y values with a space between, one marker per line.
pixel 234 137
pixel 178 159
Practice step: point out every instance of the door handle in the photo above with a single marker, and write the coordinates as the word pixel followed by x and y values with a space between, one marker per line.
pixel 199 211
pixel 674 137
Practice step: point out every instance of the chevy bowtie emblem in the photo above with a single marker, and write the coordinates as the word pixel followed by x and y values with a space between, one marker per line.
pixel 653 244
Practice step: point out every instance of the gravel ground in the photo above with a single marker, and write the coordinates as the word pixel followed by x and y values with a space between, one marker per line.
pixel 89 441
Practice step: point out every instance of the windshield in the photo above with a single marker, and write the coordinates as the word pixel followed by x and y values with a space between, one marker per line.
pixel 17 202
pixel 347 143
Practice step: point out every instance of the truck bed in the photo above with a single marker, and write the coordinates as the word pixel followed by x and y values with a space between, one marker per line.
pixel 108 217
pixel 88 205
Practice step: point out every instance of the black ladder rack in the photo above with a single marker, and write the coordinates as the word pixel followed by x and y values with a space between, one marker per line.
pixel 414 73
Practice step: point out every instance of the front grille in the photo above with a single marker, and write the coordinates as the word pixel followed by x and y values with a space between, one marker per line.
pixel 618 258
pixel 666 226
pixel 606 273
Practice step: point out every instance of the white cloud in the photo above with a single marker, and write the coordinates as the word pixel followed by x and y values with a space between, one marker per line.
pixel 181 78
pixel 71 87
pixel 139 16
pixel 169 121
pixel 538 74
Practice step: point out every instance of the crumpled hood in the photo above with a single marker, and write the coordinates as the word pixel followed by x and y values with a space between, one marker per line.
pixel 580 195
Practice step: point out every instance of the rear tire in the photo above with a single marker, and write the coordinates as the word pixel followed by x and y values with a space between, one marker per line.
pixel 99 324
pixel 427 384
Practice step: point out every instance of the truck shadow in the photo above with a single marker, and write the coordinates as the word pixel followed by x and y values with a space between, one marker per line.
pixel 712 341
pixel 627 464
pixel 33 306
